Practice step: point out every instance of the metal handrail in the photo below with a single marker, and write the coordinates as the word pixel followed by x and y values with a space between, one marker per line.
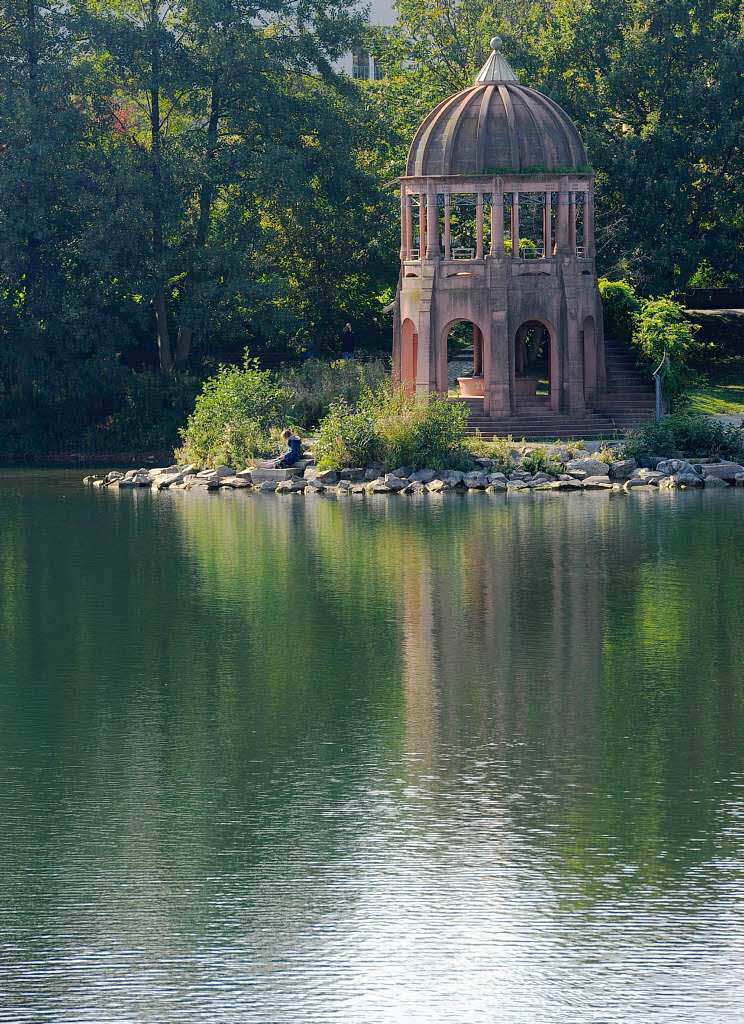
pixel 658 375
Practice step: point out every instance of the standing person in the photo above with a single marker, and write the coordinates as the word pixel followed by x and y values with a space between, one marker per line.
pixel 293 453
pixel 348 342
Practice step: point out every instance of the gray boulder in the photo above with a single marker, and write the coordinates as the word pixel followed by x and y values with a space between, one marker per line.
pixel 622 469
pixel 414 487
pixel 234 483
pixel 596 483
pixel 568 484
pixel 403 472
pixel 395 483
pixel 497 486
pixel 583 468
pixel 723 471
pixel 437 485
pixel 517 485
pixel 493 478
pixel 453 476
pixel 269 486
pixel 313 484
pixel 295 485
pixel 670 467
pixel 714 481
pixel 355 475
pixel 423 476
pixel 475 481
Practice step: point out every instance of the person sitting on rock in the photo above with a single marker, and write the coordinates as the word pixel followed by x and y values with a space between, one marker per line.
pixel 293 453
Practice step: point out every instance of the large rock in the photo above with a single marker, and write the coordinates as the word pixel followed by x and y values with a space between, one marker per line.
pixel 437 485
pixel 648 476
pixel 235 483
pixel 423 476
pixel 494 478
pixel 414 487
pixel 636 481
pixel 476 481
pixel 403 472
pixel 596 483
pixel 268 486
pixel 327 477
pixel 714 481
pixel 354 475
pixel 570 484
pixel 453 476
pixel 313 485
pixel 583 468
pixel 497 486
pixel 517 485
pixel 670 467
pixel 681 480
pixel 520 474
pixel 540 478
pixel 212 474
pixel 723 470
pixel 260 474
pixel 294 485
pixel 622 469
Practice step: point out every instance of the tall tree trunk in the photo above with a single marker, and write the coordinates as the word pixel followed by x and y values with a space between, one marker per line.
pixel 160 301
pixel 24 377
pixel 206 194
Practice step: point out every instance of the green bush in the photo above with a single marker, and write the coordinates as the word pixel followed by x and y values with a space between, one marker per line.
pixel 316 384
pixel 686 434
pixel 539 461
pixel 234 415
pixel 394 429
pixel 659 327
pixel 619 305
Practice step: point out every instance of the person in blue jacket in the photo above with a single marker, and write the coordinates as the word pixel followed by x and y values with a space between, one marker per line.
pixel 293 453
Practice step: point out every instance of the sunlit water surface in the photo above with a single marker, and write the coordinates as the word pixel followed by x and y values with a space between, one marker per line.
pixel 274 759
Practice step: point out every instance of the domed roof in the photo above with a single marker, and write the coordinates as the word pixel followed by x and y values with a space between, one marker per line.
pixel 495 126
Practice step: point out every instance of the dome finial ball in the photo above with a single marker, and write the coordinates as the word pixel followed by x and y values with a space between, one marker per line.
pixel 495 43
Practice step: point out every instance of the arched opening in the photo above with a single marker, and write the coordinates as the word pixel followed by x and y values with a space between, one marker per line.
pixel 589 348
pixel 409 356
pixel 533 373
pixel 465 359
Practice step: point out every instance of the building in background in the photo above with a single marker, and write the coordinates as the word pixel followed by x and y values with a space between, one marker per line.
pixel 361 64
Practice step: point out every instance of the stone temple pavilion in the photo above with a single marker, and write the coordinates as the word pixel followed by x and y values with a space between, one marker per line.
pixel 497 246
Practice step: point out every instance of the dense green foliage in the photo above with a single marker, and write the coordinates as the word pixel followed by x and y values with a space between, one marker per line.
pixel 240 411
pixel 661 328
pixel 619 305
pixel 180 180
pixel 686 434
pixel 393 429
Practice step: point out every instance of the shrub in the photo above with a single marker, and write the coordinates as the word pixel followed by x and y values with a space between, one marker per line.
pixel 233 417
pixel 316 384
pixel 619 305
pixel 538 461
pixel 499 450
pixel 659 327
pixel 687 434
pixel 346 437
pixel 395 429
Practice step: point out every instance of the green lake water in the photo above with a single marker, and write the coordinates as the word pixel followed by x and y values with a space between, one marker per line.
pixel 454 760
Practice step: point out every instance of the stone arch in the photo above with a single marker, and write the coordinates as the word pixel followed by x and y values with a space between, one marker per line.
pixel 480 356
pixel 525 385
pixel 409 355
pixel 589 352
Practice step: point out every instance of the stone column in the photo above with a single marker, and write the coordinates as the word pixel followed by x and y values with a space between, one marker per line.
pixel 477 351
pixel 496 367
pixel 497 222
pixel 562 242
pixel 403 226
pixel 409 225
pixel 447 226
pixel 574 384
pixel 588 224
pixel 515 224
pixel 547 225
pixel 422 224
pixel 432 224
pixel 479 226
pixel 572 222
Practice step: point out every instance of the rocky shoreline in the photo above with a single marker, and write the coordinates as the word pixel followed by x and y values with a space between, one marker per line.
pixel 566 474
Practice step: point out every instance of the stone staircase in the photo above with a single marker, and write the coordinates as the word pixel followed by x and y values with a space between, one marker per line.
pixel 629 400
